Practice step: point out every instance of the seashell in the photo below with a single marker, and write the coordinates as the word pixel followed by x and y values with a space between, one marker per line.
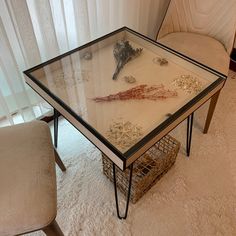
pixel 130 79
pixel 88 56
pixel 160 61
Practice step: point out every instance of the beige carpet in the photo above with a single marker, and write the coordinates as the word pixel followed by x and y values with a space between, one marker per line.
pixel 196 197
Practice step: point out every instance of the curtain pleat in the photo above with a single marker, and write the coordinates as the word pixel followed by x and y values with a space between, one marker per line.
pixel 59 23
pixel 33 31
pixel 15 85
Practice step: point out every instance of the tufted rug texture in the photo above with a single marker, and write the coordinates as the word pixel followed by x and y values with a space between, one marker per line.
pixel 196 197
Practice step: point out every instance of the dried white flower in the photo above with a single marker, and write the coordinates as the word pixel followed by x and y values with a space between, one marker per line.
pixel 188 83
pixel 124 134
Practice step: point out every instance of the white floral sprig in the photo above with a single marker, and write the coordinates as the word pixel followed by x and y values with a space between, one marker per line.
pixel 124 134
pixel 188 83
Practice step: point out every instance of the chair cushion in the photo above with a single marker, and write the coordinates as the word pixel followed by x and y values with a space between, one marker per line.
pixel 213 18
pixel 27 178
pixel 204 49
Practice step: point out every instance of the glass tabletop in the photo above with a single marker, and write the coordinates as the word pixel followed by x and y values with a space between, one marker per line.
pixel 123 86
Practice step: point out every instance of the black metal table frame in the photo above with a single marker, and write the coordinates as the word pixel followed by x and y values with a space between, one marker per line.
pixel 188 147
pixel 216 86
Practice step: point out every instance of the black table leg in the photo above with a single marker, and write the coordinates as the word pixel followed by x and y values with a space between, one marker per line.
pixel 55 117
pixel 189 133
pixel 128 195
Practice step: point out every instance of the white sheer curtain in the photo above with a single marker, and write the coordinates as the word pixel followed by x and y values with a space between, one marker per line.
pixel 32 31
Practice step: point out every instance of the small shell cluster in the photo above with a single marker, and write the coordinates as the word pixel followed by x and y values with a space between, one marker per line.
pixel 124 134
pixel 188 83
pixel 129 79
pixel 88 56
pixel 160 61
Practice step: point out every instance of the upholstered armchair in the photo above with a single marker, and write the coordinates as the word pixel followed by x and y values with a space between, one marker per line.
pixel 204 31
pixel 28 192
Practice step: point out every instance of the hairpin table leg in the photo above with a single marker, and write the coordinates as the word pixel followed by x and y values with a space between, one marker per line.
pixel 55 117
pixel 128 195
pixel 189 133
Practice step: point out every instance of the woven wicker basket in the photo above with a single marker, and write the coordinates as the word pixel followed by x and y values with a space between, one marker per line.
pixel 149 168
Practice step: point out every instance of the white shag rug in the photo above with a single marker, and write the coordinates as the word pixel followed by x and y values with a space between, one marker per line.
pixel 196 197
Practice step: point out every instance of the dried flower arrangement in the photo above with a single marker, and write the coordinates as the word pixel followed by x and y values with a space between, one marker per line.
pixel 188 83
pixel 123 53
pixel 154 92
pixel 124 134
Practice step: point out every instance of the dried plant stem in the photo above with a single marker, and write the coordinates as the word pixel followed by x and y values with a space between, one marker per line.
pixel 154 92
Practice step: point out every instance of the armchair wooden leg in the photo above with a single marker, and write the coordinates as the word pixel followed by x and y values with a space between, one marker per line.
pixel 53 230
pixel 211 110
pixel 59 161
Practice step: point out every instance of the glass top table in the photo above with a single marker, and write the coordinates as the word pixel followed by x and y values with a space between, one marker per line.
pixel 124 92
pixel 124 113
